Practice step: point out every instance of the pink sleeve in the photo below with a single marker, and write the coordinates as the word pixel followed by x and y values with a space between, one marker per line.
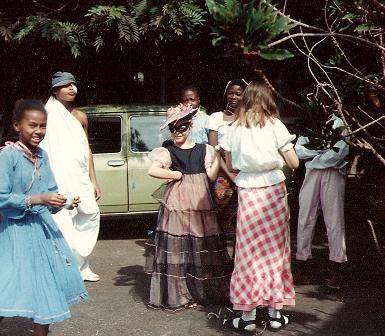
pixel 161 155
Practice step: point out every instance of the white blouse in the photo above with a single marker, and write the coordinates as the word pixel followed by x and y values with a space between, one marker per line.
pixel 256 151
pixel 216 123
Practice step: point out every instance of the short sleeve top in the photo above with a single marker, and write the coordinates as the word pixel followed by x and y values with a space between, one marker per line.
pixel 256 154
pixel 199 128
pixel 187 161
pixel 216 123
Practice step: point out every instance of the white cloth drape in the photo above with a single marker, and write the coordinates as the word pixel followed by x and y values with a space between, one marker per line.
pixel 68 151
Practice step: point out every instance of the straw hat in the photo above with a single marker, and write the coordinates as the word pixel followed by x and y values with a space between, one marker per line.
pixel 176 113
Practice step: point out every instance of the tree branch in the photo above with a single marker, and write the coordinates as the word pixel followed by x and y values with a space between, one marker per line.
pixel 291 36
pixel 344 36
pixel 56 10
pixel 367 125
pixel 370 117
pixel 382 59
pixel 368 135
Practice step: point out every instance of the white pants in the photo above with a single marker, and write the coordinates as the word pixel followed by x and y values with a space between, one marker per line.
pixel 323 188
pixel 80 230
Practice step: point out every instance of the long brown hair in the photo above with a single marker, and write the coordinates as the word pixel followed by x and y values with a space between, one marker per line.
pixel 257 105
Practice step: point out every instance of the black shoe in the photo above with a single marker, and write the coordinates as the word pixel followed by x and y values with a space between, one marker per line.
pixel 283 320
pixel 229 323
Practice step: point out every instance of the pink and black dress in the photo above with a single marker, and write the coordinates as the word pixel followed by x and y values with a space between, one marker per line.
pixel 190 260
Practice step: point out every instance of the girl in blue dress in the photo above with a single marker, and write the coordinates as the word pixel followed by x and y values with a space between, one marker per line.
pixel 39 275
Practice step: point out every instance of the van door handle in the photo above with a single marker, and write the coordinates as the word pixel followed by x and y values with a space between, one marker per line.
pixel 116 163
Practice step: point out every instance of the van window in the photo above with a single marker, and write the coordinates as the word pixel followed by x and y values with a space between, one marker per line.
pixel 145 134
pixel 105 134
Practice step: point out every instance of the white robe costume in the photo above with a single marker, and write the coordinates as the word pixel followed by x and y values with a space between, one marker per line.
pixel 68 151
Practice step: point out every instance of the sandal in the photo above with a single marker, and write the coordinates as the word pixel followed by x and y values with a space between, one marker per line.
pixel 242 324
pixel 283 320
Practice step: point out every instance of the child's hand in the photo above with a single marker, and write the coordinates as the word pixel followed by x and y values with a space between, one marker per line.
pixel 54 200
pixel 71 201
pixel 178 175
pixel 75 202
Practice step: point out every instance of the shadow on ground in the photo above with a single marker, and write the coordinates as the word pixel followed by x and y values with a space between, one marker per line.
pixel 134 277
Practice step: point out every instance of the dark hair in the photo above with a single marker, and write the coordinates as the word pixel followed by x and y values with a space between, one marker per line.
pixel 23 105
pixel 239 82
pixel 190 88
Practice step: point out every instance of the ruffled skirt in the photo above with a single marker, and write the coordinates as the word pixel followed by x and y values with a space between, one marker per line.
pixel 39 275
pixel 188 260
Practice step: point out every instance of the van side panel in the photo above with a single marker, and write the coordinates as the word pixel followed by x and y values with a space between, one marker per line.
pixel 144 137
pixel 109 147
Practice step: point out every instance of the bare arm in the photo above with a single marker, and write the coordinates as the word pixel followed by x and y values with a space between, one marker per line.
pixel 53 200
pixel 213 157
pixel 213 138
pixel 157 170
pixel 92 173
pixel 213 141
pixel 228 161
pixel 291 158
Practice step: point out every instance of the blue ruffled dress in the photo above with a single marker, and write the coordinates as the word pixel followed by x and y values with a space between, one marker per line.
pixel 39 277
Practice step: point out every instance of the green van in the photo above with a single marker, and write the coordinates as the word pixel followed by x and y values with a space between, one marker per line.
pixel 121 137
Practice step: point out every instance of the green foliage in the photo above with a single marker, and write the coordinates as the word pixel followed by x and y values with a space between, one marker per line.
pixel 319 128
pixel 249 27
pixel 275 54
pixel 7 28
pixel 109 22
pixel 172 19
pixel 324 138
pixel 68 33
pixel 103 25
pixel 358 16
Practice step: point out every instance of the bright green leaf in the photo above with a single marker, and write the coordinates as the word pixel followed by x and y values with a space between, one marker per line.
pixel 275 54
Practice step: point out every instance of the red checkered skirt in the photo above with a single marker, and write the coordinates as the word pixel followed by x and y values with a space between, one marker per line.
pixel 262 274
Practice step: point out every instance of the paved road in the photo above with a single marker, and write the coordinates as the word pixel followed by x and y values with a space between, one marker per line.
pixel 117 303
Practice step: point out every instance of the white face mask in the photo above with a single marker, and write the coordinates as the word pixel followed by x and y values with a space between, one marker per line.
pixel 74 88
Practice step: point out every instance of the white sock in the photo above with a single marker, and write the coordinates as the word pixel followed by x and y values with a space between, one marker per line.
pixel 274 313
pixel 246 316
pixel 249 315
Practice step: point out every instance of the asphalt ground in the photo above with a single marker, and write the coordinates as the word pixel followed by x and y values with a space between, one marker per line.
pixel 117 304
